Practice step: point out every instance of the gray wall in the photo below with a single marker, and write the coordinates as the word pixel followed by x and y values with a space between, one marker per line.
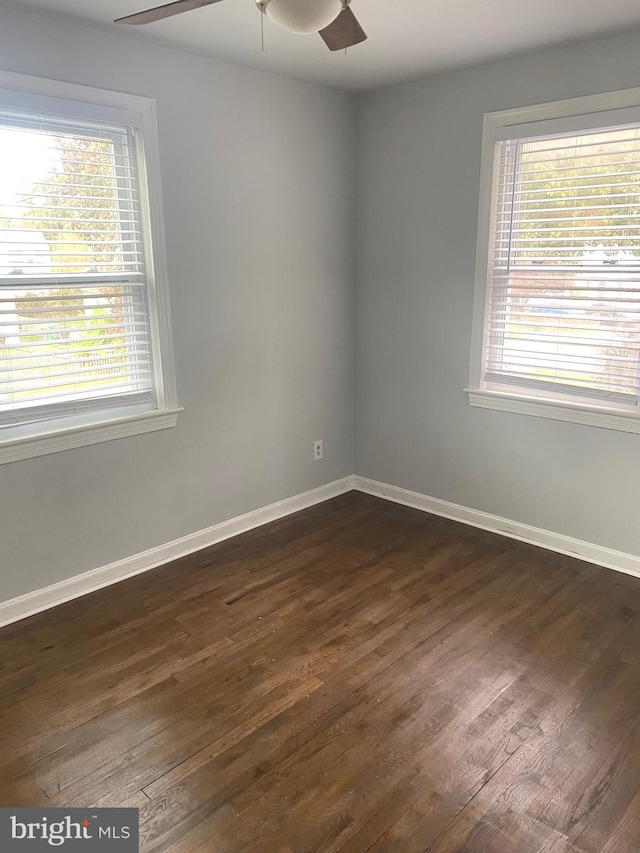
pixel 258 181
pixel 418 183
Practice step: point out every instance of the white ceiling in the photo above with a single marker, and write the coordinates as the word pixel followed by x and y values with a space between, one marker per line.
pixel 407 38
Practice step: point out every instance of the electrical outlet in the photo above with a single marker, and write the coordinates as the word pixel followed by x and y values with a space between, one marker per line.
pixel 318 450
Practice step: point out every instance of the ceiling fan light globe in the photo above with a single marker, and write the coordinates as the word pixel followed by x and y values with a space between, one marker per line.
pixel 303 16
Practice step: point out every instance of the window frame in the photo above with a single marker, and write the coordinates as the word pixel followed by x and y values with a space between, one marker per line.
pixel 573 114
pixel 85 103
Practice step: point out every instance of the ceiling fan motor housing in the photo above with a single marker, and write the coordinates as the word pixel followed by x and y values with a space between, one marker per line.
pixel 302 16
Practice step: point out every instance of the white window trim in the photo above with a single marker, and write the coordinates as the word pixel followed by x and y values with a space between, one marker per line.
pixel 43 438
pixel 609 417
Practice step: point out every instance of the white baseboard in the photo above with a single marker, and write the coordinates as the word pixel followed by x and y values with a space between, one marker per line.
pixel 42 599
pixel 49 596
pixel 608 557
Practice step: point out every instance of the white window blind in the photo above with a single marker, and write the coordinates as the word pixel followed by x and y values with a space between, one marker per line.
pixel 563 304
pixel 75 333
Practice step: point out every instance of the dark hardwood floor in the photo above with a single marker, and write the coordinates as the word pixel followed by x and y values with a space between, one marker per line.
pixel 359 676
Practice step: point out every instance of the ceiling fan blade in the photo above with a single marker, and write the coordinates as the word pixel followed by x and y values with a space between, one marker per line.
pixel 159 12
pixel 344 32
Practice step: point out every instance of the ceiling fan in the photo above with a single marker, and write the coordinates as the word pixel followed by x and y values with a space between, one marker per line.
pixel 333 19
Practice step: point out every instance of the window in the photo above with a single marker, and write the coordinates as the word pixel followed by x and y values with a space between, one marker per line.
pixel 85 353
pixel 557 320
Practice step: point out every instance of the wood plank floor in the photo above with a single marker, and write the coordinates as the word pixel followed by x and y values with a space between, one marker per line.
pixel 359 676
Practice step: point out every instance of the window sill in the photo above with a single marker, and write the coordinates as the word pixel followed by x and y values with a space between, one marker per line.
pixel 557 410
pixel 13 449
